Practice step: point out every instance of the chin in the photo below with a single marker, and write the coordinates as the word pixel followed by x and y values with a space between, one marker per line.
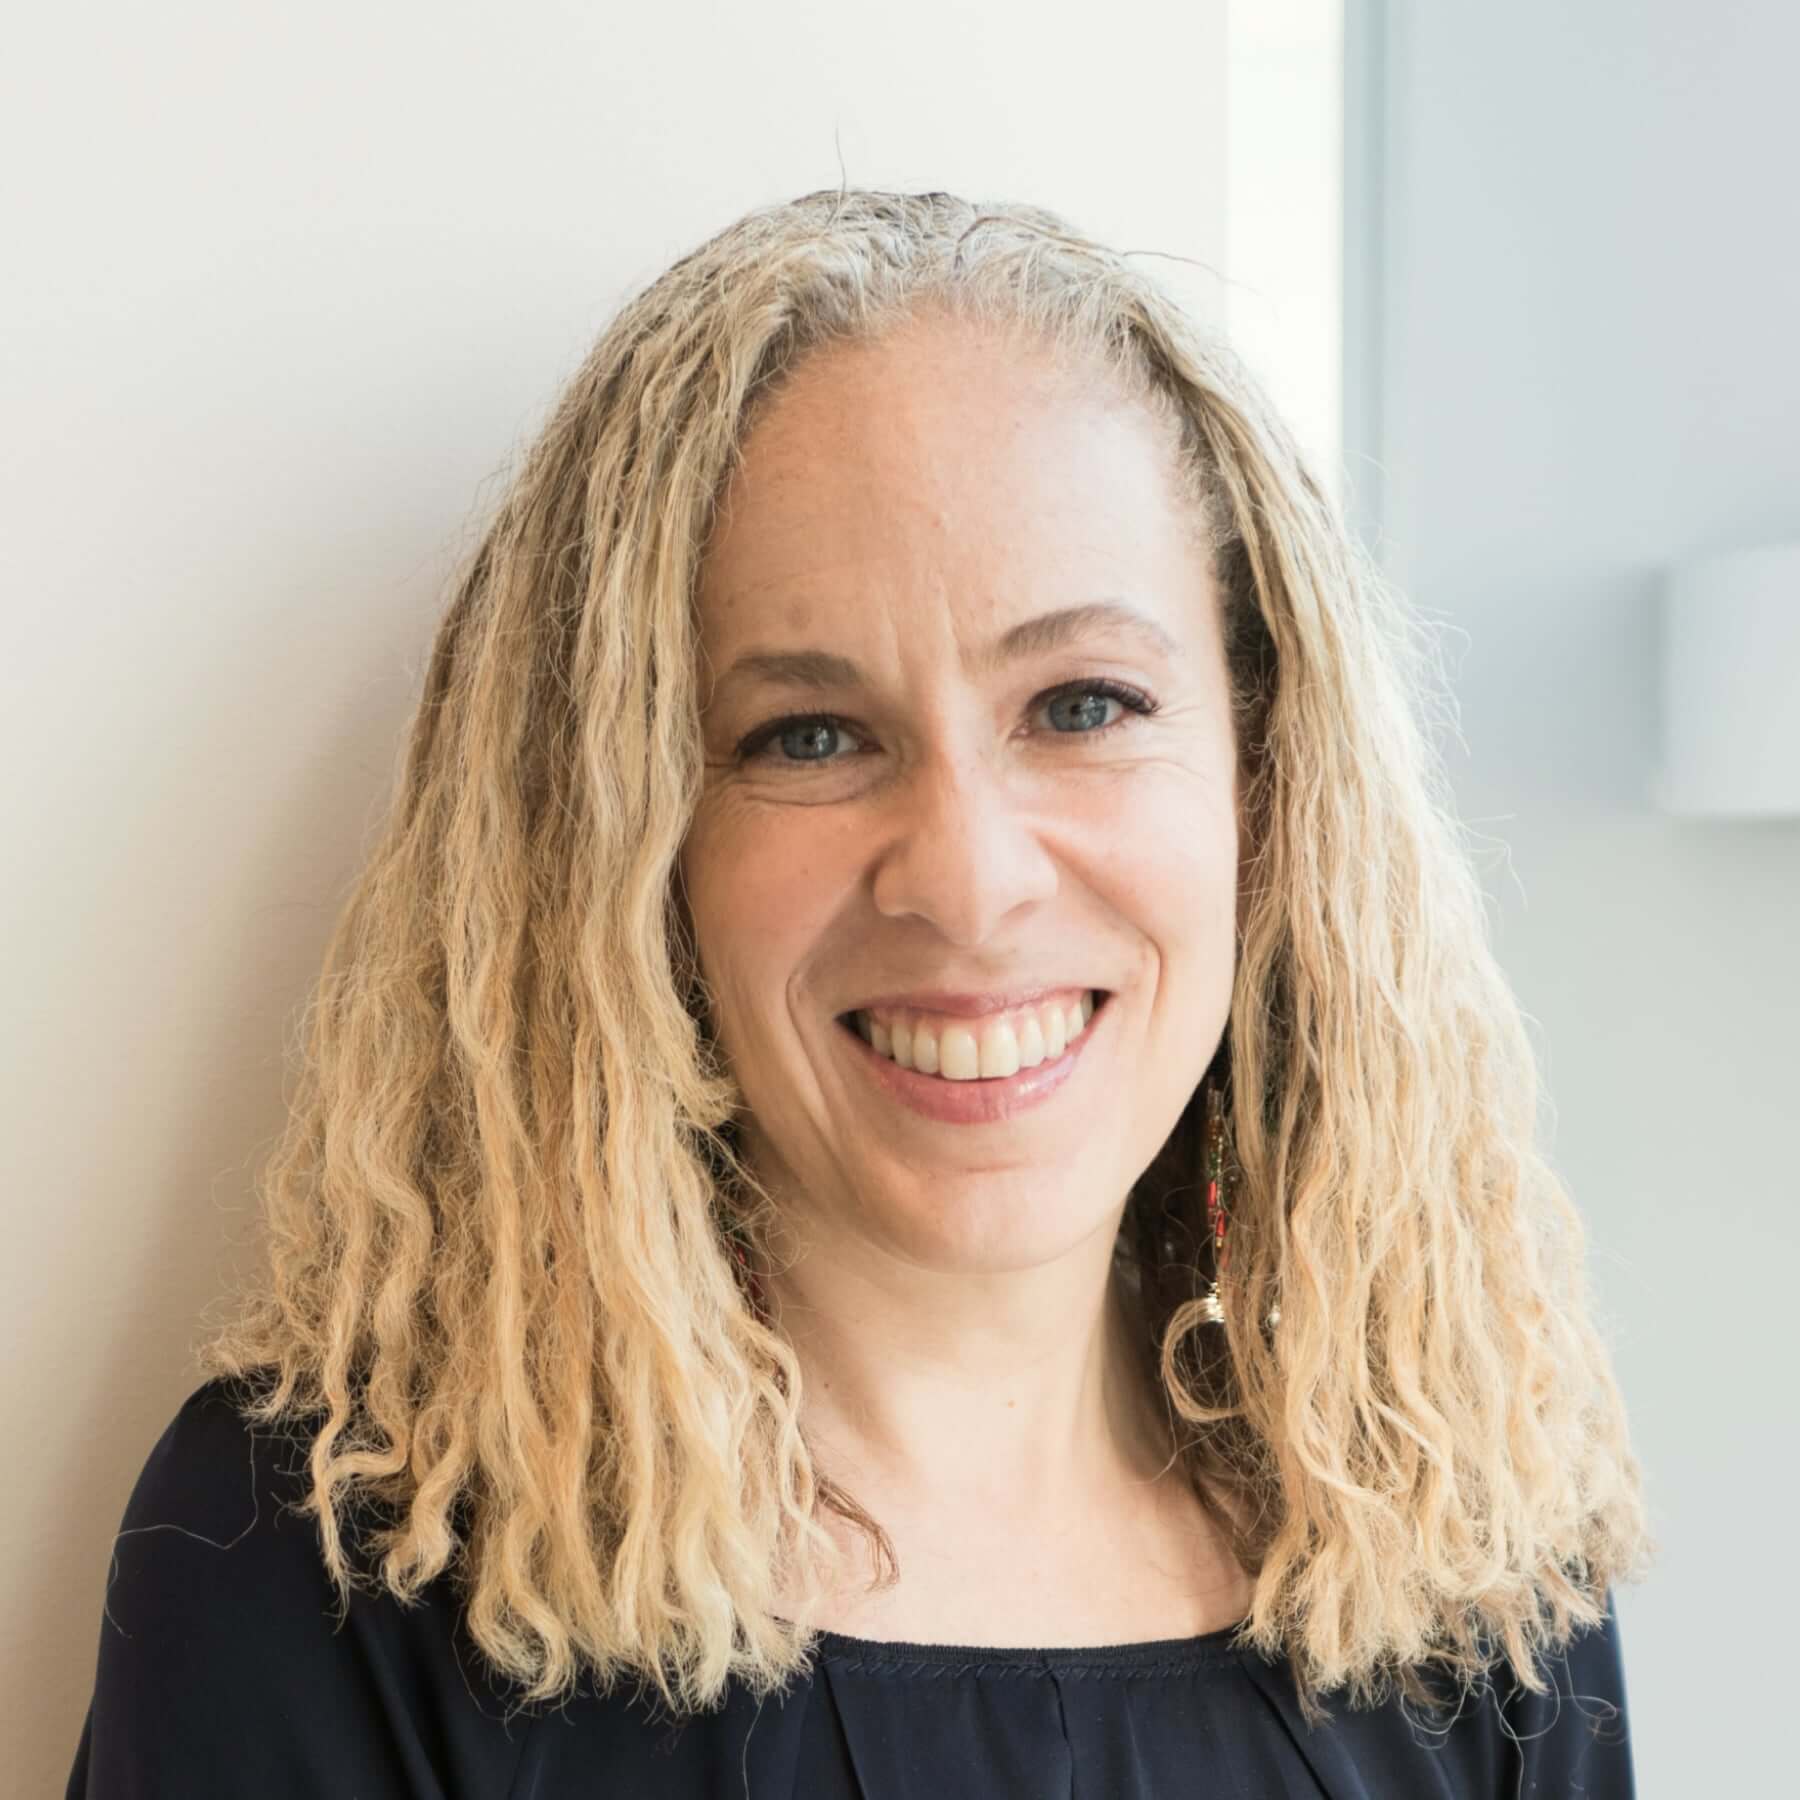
pixel 999 1223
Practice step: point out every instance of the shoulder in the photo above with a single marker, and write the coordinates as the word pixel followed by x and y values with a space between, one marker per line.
pixel 1575 1737
pixel 1496 1737
pixel 212 1515
pixel 229 1662
pixel 209 1458
pixel 214 1532
pixel 1569 1739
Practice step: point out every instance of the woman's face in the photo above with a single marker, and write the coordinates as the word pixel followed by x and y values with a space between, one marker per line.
pixel 974 823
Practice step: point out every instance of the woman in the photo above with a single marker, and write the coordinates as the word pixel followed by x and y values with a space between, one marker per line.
pixel 913 1173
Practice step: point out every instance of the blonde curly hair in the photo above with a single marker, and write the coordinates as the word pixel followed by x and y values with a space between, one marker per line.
pixel 501 1292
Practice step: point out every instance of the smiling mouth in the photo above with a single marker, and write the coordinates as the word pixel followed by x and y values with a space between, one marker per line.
pixel 993 1048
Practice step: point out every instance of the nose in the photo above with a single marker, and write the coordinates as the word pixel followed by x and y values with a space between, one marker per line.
pixel 965 853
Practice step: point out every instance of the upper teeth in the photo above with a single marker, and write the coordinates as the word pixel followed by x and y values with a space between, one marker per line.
pixel 961 1049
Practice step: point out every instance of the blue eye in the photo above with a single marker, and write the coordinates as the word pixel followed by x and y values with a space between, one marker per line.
pixel 815 734
pixel 1090 710
pixel 812 731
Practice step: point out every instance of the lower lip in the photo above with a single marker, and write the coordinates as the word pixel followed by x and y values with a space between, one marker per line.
pixel 981 1102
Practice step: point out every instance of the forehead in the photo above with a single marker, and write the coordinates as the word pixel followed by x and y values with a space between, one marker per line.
pixel 947 472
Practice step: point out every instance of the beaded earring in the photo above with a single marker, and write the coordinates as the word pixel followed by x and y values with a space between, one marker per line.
pixel 1212 1307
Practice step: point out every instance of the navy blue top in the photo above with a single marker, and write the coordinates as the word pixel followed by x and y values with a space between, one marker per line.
pixel 223 1672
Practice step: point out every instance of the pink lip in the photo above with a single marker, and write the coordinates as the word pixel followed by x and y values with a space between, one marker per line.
pixel 972 1102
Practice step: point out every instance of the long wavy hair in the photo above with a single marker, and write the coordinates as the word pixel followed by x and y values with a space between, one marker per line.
pixel 508 1298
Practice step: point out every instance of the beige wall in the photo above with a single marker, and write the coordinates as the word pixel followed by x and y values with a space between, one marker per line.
pixel 286 288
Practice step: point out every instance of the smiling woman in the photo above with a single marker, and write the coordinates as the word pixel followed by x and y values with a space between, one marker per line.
pixel 911 1143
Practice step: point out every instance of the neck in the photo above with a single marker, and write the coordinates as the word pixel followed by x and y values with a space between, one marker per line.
pixel 1019 1394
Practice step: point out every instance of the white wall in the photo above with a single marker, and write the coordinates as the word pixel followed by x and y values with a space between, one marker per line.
pixel 1590 351
pixel 1284 214
pixel 286 289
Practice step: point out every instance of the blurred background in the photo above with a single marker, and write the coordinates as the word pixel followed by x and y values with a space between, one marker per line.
pixel 289 287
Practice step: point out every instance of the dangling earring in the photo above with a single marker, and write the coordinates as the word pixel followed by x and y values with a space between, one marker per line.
pixel 1212 1307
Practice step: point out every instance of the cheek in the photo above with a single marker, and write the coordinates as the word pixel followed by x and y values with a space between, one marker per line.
pixel 759 890
pixel 1171 879
pixel 1167 853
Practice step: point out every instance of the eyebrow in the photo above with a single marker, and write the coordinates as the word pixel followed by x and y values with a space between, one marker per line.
pixel 823 669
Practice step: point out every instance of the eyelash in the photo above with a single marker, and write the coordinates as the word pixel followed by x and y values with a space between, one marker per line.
pixel 1136 702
